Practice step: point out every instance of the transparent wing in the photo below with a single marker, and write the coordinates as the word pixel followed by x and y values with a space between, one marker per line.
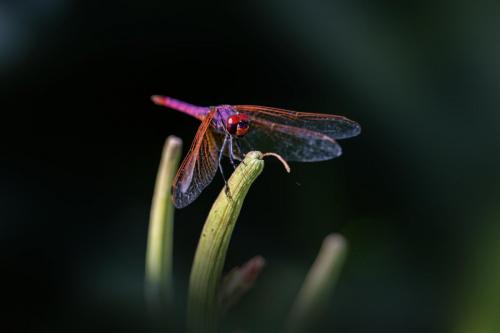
pixel 296 136
pixel 199 166
pixel 292 143
pixel 336 127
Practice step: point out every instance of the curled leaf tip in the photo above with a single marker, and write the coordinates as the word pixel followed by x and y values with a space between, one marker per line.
pixel 254 155
pixel 281 159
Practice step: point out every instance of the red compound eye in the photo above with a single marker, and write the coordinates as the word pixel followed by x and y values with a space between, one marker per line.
pixel 232 124
pixel 243 125
pixel 237 124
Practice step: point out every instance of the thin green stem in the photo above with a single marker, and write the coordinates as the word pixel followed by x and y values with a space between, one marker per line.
pixel 158 277
pixel 203 307
pixel 318 284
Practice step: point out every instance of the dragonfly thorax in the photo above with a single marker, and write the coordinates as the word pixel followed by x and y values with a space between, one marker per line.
pixel 237 124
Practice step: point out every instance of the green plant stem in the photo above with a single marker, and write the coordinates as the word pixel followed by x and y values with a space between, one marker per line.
pixel 158 275
pixel 203 309
pixel 318 284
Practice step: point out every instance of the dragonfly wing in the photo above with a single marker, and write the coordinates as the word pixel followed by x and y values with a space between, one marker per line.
pixel 199 166
pixel 292 143
pixel 336 127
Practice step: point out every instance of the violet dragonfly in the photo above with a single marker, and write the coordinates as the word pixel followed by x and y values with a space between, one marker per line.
pixel 234 130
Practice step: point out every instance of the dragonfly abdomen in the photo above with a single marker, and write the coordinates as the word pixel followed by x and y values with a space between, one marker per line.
pixel 198 112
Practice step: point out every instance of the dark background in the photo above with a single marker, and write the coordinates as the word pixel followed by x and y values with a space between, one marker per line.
pixel 416 195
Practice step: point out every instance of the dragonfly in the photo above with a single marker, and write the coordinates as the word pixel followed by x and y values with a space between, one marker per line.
pixel 234 130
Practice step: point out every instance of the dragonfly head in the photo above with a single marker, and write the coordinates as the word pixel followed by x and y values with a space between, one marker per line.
pixel 238 124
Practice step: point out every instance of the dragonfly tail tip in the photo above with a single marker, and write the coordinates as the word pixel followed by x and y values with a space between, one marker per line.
pixel 158 100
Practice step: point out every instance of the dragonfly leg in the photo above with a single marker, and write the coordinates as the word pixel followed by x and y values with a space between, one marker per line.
pixel 226 188
pixel 220 158
pixel 231 152
pixel 240 151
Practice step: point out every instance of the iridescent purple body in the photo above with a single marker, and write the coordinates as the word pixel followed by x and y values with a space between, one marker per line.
pixel 198 112
pixel 221 116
